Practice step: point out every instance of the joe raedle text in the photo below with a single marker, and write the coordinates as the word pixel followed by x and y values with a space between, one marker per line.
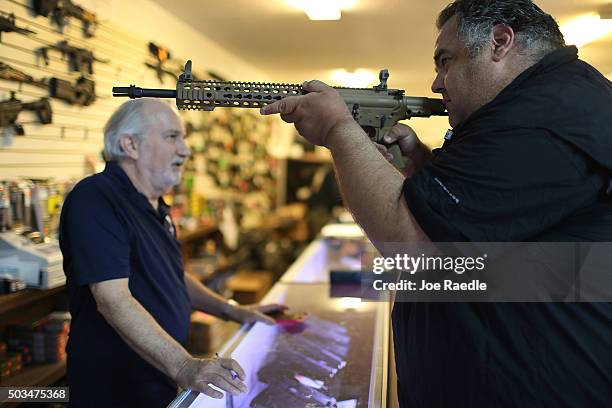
pixel 424 286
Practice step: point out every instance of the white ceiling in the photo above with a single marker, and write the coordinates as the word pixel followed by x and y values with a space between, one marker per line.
pixel 399 35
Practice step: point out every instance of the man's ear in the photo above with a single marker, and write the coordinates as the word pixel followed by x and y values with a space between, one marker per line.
pixel 503 41
pixel 129 145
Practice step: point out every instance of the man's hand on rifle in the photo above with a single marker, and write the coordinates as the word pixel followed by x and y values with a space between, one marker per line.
pixel 314 114
pixel 416 154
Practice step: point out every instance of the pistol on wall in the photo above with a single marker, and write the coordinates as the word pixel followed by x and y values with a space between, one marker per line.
pixel 82 92
pixel 376 109
pixel 62 10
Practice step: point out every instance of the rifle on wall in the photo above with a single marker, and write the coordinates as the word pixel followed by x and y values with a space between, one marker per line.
pixel 12 74
pixel 82 92
pixel 376 109
pixel 11 108
pixel 7 25
pixel 62 10
pixel 161 56
pixel 79 59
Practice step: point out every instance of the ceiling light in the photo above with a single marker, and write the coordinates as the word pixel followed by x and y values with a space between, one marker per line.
pixel 360 78
pixel 322 9
pixel 582 30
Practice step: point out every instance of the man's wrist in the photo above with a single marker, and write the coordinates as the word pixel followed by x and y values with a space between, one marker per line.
pixel 340 128
pixel 229 310
pixel 177 366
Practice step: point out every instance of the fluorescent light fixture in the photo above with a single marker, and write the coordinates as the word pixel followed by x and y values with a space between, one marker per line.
pixel 359 78
pixel 582 30
pixel 322 9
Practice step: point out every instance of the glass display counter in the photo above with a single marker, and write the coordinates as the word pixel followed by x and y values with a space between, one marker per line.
pixel 337 357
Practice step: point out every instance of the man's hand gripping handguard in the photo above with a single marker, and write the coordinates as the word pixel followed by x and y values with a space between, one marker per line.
pixel 314 114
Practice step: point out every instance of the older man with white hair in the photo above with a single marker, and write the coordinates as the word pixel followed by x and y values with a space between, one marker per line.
pixel 129 297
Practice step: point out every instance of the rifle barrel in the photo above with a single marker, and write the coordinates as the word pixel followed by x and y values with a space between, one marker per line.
pixel 134 92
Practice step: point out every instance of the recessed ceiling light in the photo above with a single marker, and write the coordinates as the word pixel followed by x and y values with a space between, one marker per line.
pixel 322 9
pixel 360 78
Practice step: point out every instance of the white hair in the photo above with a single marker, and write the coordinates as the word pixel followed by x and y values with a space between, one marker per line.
pixel 132 118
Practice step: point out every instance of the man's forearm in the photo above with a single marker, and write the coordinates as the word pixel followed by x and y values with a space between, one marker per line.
pixel 371 187
pixel 205 299
pixel 143 334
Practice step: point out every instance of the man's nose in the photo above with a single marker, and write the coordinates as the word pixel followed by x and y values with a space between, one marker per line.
pixel 183 149
pixel 437 85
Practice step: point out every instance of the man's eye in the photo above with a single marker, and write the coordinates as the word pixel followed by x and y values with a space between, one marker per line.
pixel 444 61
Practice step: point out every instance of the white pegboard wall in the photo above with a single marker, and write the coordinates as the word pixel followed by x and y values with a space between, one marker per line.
pixel 59 150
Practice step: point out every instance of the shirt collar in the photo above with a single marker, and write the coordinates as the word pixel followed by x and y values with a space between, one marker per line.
pixel 118 174
pixel 549 62
pixel 114 170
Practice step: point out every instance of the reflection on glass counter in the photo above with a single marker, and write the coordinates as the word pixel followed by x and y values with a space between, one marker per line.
pixel 330 359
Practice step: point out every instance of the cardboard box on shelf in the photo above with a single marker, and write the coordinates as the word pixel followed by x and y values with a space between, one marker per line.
pixel 249 286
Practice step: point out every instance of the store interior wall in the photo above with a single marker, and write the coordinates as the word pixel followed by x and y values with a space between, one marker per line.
pixel 69 147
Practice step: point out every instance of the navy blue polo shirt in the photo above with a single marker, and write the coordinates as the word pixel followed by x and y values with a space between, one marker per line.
pixel 108 230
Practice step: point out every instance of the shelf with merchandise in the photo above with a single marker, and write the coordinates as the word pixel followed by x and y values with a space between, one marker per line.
pixel 37 375
pixel 25 298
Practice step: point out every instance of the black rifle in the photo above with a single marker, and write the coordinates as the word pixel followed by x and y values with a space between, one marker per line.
pixel 161 55
pixel 62 10
pixel 12 74
pixel 81 93
pixel 78 58
pixel 10 109
pixel 7 25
